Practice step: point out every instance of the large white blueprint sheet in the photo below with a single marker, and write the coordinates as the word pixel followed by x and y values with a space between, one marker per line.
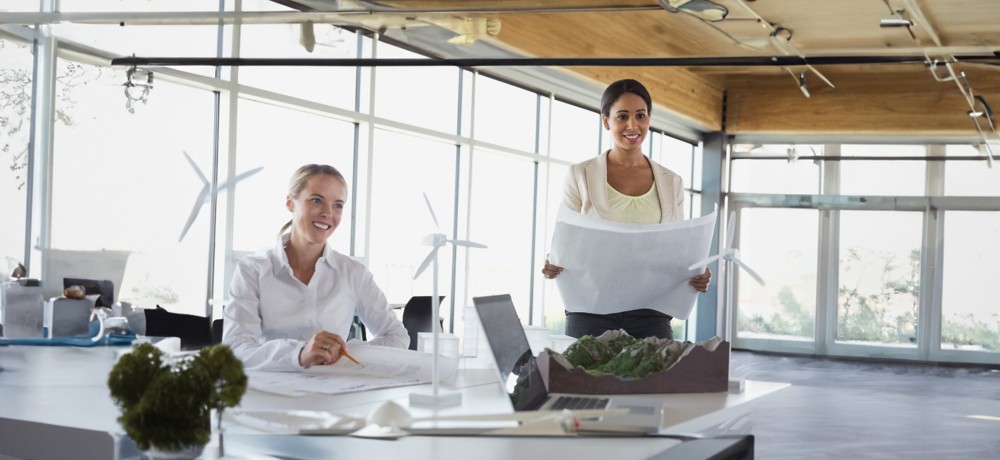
pixel 384 367
pixel 610 267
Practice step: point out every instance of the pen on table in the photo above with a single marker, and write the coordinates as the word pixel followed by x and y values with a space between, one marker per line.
pixel 348 356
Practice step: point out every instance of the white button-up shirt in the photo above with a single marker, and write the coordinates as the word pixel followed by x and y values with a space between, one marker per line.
pixel 273 314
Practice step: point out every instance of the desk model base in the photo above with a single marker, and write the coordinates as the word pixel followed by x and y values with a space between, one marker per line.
pixel 439 400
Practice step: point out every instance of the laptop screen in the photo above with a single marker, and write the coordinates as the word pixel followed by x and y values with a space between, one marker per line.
pixel 511 350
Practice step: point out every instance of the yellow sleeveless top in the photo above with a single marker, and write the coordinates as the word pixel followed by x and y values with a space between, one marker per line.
pixel 640 210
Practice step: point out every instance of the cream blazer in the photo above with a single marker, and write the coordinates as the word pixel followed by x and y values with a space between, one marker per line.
pixel 586 189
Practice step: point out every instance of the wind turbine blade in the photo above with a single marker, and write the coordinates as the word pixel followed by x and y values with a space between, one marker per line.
pixel 467 243
pixel 198 203
pixel 194 166
pixel 749 271
pixel 238 177
pixel 703 263
pixel 431 209
pixel 730 230
pixel 426 262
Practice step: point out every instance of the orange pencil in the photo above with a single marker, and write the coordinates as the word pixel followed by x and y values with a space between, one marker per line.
pixel 348 356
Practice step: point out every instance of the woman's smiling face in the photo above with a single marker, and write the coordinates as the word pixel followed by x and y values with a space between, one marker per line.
pixel 318 208
pixel 628 121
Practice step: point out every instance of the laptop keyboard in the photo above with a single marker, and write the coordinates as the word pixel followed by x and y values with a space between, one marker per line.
pixel 578 403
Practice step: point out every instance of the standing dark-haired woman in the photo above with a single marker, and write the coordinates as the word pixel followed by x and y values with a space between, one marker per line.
pixel 624 185
pixel 292 306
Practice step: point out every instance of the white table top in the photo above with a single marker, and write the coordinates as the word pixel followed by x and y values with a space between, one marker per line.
pixel 67 387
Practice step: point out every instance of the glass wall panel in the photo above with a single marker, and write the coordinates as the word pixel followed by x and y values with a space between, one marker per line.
pixel 775 176
pixel 879 277
pixel 554 310
pixel 780 245
pixel 970 308
pixel 502 211
pixel 505 114
pixel 405 168
pixel 136 5
pixel 575 134
pixel 259 202
pixel 676 155
pixel 124 181
pixel 15 133
pixel 882 177
pixel 21 6
pixel 784 174
pixel 325 85
pixel 422 96
pixel 144 40
pixel 969 178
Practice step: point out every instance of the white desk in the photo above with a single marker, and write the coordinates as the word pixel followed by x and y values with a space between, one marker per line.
pixel 60 393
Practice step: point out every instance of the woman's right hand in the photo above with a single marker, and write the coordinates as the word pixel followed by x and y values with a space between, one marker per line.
pixel 322 349
pixel 551 271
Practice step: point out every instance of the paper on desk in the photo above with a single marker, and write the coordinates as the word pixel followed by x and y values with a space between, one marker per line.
pixel 610 267
pixel 384 367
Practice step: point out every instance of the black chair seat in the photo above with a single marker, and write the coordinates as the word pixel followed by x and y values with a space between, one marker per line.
pixel 417 316
pixel 194 331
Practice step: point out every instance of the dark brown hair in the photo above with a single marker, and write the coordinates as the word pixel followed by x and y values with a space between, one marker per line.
pixel 620 87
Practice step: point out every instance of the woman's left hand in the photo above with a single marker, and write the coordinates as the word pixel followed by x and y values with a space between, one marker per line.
pixel 700 282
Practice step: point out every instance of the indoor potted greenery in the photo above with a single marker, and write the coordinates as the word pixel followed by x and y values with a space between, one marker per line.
pixel 166 403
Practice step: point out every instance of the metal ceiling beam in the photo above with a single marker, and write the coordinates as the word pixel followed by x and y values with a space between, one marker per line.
pixel 733 61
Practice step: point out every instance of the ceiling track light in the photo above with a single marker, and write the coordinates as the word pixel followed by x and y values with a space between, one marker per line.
pixel 985 111
pixel 136 92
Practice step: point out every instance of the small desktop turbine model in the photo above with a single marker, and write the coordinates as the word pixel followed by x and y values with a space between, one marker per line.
pixel 436 240
pixel 732 256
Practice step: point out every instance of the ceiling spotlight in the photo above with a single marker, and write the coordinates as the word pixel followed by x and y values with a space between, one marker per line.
pixel 895 22
pixel 897 19
pixel 704 9
pixel 802 84
pixel 982 109
pixel 136 92
pixel 307 36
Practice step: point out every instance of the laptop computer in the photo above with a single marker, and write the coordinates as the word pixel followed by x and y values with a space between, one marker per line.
pixel 516 363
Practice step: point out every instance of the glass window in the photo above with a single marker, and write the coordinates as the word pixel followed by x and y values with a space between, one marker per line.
pixel 15 132
pixel 879 277
pixel 575 133
pixel 505 114
pixel 882 177
pixel 325 85
pixel 503 221
pixel 970 178
pixel 784 174
pixel 259 202
pixel 24 6
pixel 780 245
pixel 122 181
pixel 135 5
pixel 970 308
pixel 144 40
pixel 422 96
pixel 676 155
pixel 554 308
pixel 404 169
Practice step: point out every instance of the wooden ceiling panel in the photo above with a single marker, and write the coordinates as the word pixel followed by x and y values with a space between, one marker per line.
pixel 876 98
pixel 897 103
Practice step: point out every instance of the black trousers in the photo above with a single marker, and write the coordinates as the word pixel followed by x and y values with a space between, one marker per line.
pixel 637 323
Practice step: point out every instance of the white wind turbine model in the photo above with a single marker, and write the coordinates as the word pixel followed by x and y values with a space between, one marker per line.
pixel 732 256
pixel 436 240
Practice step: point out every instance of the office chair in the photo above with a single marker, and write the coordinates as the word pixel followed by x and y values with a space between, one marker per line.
pixel 417 317
pixel 194 331
pixel 357 330
pixel 217 331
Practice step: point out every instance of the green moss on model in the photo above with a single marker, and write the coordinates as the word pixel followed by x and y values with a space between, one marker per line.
pixel 168 404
